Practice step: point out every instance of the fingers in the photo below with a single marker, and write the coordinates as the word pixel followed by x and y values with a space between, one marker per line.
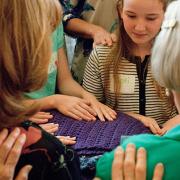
pixel 155 128
pixel 3 135
pixel 15 152
pixel 108 113
pixel 158 172
pixel 117 166
pixel 140 171
pixel 163 131
pixel 85 112
pixel 41 117
pixel 88 107
pixel 77 108
pixel 50 127
pixel 67 140
pixel 129 162
pixel 113 37
pixel 10 150
pixel 23 173
pixel 8 144
pixel 104 112
pixel 79 113
pixel 103 37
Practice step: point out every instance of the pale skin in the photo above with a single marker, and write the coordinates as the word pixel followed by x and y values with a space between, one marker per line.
pixel 142 21
pixel 90 31
pixel 73 101
pixel 10 150
pixel 131 165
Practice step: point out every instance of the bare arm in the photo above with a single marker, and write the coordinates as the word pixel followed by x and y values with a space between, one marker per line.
pixel 87 30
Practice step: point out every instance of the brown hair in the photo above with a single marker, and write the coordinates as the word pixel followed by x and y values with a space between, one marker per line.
pixel 25 28
pixel 120 50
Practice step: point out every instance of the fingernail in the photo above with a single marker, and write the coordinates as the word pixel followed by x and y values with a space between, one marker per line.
pixel 4 131
pixel 29 167
pixel 16 131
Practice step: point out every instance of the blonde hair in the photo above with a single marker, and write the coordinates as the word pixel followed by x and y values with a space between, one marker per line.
pixel 25 32
pixel 120 50
pixel 166 50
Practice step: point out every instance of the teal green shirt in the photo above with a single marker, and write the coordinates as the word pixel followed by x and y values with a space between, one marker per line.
pixel 165 149
pixel 49 88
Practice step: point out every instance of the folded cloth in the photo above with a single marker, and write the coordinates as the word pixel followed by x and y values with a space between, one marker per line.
pixel 96 137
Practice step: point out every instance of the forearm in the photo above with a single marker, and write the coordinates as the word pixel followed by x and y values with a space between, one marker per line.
pixel 136 116
pixel 46 102
pixel 72 88
pixel 82 28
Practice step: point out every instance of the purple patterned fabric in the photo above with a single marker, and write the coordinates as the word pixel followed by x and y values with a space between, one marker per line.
pixel 94 138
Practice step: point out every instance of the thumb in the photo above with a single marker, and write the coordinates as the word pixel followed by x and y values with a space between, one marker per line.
pixel 24 172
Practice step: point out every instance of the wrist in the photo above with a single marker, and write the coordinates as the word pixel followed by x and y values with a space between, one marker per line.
pixel 93 30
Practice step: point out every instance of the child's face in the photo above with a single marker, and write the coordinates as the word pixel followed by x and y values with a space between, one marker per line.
pixel 142 19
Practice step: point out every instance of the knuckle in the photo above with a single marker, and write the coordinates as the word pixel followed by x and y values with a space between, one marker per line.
pixel 5 174
pixel 140 169
pixel 128 165
pixel 14 152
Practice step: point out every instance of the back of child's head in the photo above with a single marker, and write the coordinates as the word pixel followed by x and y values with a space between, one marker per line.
pixel 25 28
pixel 166 50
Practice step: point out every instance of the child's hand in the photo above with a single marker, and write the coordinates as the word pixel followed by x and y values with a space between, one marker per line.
pixel 50 127
pixel 67 140
pixel 152 124
pixel 75 107
pixel 41 117
pixel 148 122
pixel 102 111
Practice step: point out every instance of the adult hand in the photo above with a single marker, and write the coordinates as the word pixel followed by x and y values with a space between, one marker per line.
pixel 75 107
pixel 101 36
pixel 50 127
pixel 10 150
pixel 131 165
pixel 67 140
pixel 102 111
pixel 41 117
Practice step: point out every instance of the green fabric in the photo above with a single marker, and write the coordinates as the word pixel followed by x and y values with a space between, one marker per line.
pixel 49 88
pixel 165 149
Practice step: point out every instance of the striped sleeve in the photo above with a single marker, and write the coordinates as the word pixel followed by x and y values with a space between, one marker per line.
pixel 92 81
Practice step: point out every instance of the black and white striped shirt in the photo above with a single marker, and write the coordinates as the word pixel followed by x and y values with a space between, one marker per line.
pixel 137 93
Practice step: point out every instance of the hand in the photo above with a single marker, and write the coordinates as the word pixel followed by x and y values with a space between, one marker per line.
pixel 50 127
pixel 152 124
pixel 75 107
pixel 102 111
pixel 41 117
pixel 171 124
pixel 148 122
pixel 101 36
pixel 67 140
pixel 10 151
pixel 131 165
